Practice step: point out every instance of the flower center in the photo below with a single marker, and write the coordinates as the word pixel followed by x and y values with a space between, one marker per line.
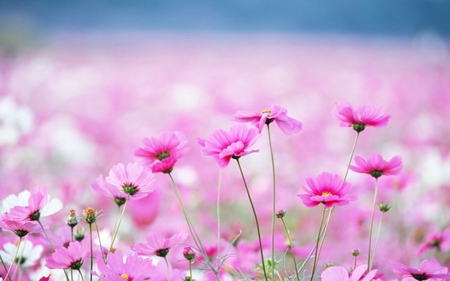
pixel 124 276
pixel 326 194
pixel 266 111
pixel 376 173
pixel 21 232
pixel 420 277
pixel 20 260
pixel 130 189
pixel 359 127
pixel 163 155
pixel 76 265
pixel 119 201
pixel 35 216
pixel 162 252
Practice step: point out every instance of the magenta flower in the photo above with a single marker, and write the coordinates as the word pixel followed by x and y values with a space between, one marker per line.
pixel 168 145
pixel 376 166
pixel 439 240
pixel 20 228
pixel 360 117
pixel 225 145
pixel 71 257
pixel 429 269
pixel 340 273
pixel 134 180
pixel 133 268
pixel 275 113
pixel 159 245
pixel 327 189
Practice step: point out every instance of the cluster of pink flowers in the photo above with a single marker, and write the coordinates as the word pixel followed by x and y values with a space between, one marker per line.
pixel 75 251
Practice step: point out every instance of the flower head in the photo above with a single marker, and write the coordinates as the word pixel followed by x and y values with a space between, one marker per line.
pixel 188 253
pixel 275 113
pixel 20 228
pixel 327 189
pixel 429 269
pixel 28 254
pixel 225 145
pixel 159 245
pixel 376 166
pixel 168 145
pixel 133 268
pixel 135 180
pixel 71 257
pixel 439 240
pixel 340 273
pixel 360 117
pixel 101 186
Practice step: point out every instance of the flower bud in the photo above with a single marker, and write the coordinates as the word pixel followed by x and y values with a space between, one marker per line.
pixel 280 214
pixel 79 234
pixel 384 207
pixel 355 253
pixel 90 215
pixel 188 253
pixel 72 219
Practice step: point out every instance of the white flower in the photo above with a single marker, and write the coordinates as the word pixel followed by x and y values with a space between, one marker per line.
pixel 27 254
pixel 53 205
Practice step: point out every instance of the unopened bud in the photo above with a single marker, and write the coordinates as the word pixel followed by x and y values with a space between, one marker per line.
pixel 72 219
pixel 280 214
pixel 384 207
pixel 188 253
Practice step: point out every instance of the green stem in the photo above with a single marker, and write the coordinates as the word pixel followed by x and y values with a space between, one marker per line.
pixel 316 255
pixel 116 230
pixel 273 200
pixel 378 236
pixel 291 247
pixel 256 218
pixel 351 155
pixel 100 242
pixel 190 270
pixel 13 259
pixel 92 251
pixel 81 275
pixel 219 187
pixel 369 258
pixel 168 269
pixel 4 266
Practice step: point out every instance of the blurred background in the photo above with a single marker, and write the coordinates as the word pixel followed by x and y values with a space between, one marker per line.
pixel 82 82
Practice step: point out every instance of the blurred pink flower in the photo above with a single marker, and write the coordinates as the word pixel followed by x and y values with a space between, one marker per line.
pixel 134 180
pixel 360 117
pixel 340 273
pixel 132 268
pixel 429 269
pixel 376 166
pixel 159 245
pixel 71 257
pixel 168 145
pixel 439 240
pixel 225 145
pixel 20 228
pixel 327 189
pixel 275 113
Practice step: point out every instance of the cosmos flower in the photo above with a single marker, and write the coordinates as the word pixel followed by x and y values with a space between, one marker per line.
pixel 71 257
pixel 340 273
pixel 28 253
pixel 20 228
pixel 429 269
pixel 327 189
pixel 376 166
pixel 134 180
pixel 159 245
pixel 101 186
pixel 439 240
pixel 168 145
pixel 132 268
pixel 275 113
pixel 225 145
pixel 360 117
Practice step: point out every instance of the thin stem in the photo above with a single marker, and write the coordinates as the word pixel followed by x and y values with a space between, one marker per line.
pixel 4 266
pixel 273 200
pixel 45 233
pixel 378 236
pixel 116 230
pixel 316 255
pixel 351 155
pixel 100 242
pixel 92 251
pixel 168 269
pixel 190 270
pixel 13 259
pixel 256 218
pixel 291 247
pixel 81 275
pixel 219 187
pixel 369 259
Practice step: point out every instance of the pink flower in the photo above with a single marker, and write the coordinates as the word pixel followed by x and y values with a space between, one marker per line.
pixel 168 145
pixel 439 240
pixel 20 228
pixel 225 145
pixel 134 180
pixel 340 273
pixel 71 257
pixel 376 166
pixel 429 269
pixel 360 117
pixel 327 189
pixel 159 245
pixel 109 190
pixel 133 268
pixel 275 113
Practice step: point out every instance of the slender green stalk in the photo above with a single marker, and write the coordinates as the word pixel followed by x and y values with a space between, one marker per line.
pixel 378 236
pixel 219 187
pixel 4 266
pixel 273 200
pixel 81 275
pixel 190 270
pixel 256 218
pixel 116 230
pixel 194 234
pixel 100 242
pixel 316 255
pixel 92 251
pixel 369 258
pixel 13 259
pixel 291 247
pixel 168 269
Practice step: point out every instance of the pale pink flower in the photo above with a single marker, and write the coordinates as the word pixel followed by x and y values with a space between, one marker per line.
pixel 327 189
pixel 376 166
pixel 101 186
pixel 340 273
pixel 135 180
pixel 439 240
pixel 429 269
pixel 132 268
pixel 225 145
pixel 360 117
pixel 275 113
pixel 71 257
pixel 168 145
pixel 159 245
pixel 20 228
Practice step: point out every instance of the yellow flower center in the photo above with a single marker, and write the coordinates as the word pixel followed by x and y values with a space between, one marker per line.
pixel 326 193
pixel 124 276
pixel 266 111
